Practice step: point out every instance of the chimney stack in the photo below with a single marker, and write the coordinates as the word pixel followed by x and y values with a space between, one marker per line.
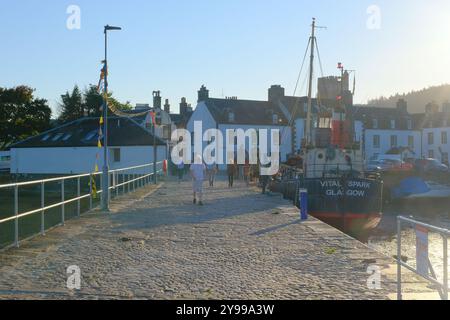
pixel 157 99
pixel 402 105
pixel 203 94
pixel 276 93
pixel 183 106
pixel 167 106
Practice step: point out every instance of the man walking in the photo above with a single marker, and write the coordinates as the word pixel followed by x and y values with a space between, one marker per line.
pixel 197 170
pixel 211 170
pixel 231 171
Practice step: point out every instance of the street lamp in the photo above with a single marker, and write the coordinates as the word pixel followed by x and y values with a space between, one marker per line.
pixel 105 179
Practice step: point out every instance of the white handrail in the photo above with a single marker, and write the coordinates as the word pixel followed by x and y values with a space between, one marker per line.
pixel 445 234
pixel 143 178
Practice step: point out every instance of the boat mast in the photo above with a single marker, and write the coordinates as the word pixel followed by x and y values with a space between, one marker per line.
pixel 311 72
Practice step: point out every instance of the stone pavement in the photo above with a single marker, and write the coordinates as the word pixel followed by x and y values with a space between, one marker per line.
pixel 158 245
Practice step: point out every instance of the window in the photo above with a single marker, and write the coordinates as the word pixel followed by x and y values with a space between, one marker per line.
pixel 59 135
pixel 375 123
pixel 393 141
pixel 445 158
pixel 444 137
pixel 231 117
pixel 411 142
pixel 430 138
pixel 430 153
pixel 376 141
pixel 67 137
pixel 46 137
pixel 115 154
pixel 275 118
pixel 5 158
pixel 90 135
pixel 409 124
pixel 393 124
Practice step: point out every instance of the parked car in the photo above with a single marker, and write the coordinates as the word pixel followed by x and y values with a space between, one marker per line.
pixel 398 165
pixel 430 165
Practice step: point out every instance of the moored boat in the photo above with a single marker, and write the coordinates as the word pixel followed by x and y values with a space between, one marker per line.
pixel 339 192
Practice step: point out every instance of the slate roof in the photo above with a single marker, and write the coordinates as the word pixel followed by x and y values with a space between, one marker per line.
pixel 384 115
pixel 246 112
pixel 84 133
pixel 433 120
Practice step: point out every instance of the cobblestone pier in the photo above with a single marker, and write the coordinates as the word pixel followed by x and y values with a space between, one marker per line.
pixel 158 245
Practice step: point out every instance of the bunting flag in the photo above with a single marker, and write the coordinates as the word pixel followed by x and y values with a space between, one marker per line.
pixel 101 120
pixel 101 81
pixel 93 186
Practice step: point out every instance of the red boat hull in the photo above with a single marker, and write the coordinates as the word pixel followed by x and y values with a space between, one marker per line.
pixel 354 224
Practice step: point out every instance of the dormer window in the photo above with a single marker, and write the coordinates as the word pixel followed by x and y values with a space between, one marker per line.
pixel 231 116
pixel 375 123
pixel 392 123
pixel 275 118
pixel 409 124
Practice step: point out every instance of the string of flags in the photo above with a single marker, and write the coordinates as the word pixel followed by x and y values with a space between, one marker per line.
pixel 101 88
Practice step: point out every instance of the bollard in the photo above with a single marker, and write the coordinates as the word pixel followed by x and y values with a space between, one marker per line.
pixel 303 203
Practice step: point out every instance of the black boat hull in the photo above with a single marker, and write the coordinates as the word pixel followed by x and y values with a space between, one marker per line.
pixel 352 205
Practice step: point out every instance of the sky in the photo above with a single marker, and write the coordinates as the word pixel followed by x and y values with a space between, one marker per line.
pixel 234 47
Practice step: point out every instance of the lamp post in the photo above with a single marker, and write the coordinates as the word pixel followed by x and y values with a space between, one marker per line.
pixel 105 178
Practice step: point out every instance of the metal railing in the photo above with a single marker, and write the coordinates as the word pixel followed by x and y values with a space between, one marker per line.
pixel 445 234
pixel 120 181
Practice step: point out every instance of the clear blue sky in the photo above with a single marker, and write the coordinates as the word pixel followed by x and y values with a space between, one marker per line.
pixel 234 47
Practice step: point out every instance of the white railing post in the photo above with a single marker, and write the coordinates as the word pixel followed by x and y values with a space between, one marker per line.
pixel 399 259
pixel 42 207
pixel 63 207
pixel 91 181
pixel 116 182
pixel 16 213
pixel 445 239
pixel 78 196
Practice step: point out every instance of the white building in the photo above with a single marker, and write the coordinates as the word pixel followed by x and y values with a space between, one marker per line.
pixel 73 148
pixel 233 114
pixel 435 135
pixel 386 130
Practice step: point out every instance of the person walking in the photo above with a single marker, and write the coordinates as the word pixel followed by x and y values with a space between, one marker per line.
pixel 247 173
pixel 231 171
pixel 197 170
pixel 212 171
pixel 180 171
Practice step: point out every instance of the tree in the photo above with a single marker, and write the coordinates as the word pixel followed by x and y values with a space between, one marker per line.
pixel 89 103
pixel 71 106
pixel 21 115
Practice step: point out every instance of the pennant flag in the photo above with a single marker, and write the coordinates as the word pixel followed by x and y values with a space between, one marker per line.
pixel 96 168
pixel 101 120
pixel 153 117
pixel 99 144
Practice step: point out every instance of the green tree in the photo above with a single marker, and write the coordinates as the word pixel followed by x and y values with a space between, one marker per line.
pixel 21 115
pixel 71 106
pixel 89 103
